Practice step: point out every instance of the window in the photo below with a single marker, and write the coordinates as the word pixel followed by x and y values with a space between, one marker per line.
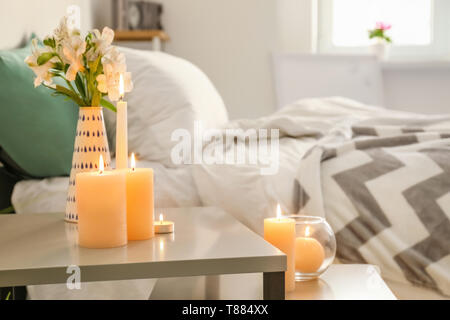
pixel 418 26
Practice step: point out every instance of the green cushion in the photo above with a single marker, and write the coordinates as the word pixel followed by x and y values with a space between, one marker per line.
pixel 37 130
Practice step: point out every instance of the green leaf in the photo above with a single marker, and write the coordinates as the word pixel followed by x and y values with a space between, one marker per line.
pixel 108 105
pixel 376 33
pixel 50 42
pixel 9 295
pixel 71 94
pixel 43 58
pixel 80 85
pixel 58 66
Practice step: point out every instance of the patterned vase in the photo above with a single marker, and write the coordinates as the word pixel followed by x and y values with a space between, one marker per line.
pixel 90 143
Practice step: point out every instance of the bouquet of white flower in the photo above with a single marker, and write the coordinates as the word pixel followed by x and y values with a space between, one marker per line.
pixel 91 68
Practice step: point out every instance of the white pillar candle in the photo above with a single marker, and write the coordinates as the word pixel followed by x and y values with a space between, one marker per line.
pixel 121 130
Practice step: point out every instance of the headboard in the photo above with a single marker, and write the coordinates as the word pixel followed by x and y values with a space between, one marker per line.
pixel 306 75
pixel 20 18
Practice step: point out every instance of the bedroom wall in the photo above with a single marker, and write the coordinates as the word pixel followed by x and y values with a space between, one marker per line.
pixel 232 42
pixel 19 18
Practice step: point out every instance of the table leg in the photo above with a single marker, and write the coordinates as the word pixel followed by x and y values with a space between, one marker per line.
pixel 273 286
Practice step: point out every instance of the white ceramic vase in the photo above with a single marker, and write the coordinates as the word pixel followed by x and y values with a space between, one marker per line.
pixel 380 49
pixel 90 142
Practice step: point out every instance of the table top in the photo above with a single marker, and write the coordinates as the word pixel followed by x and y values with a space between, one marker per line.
pixel 344 282
pixel 38 248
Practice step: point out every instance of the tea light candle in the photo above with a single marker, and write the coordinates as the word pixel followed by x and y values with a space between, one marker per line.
pixel 280 232
pixel 164 226
pixel 309 253
pixel 101 205
pixel 139 202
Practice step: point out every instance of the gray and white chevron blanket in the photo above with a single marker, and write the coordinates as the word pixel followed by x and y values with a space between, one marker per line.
pixel 385 189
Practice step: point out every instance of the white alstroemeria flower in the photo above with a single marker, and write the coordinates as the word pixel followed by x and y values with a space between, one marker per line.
pixel 114 61
pixel 102 43
pixel 73 49
pixel 63 35
pixel 62 32
pixel 109 83
pixel 114 65
pixel 128 84
pixel 41 71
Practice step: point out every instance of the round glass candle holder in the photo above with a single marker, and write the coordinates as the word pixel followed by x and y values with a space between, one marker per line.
pixel 315 247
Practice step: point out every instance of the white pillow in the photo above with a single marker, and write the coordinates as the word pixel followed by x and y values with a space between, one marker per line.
pixel 169 93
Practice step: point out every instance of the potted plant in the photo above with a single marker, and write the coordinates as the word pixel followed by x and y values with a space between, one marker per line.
pixel 90 68
pixel 380 47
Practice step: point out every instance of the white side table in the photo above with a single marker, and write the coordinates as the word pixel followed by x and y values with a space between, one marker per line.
pixel 39 248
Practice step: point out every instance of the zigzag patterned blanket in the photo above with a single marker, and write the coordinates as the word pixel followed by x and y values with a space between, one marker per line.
pixel 386 193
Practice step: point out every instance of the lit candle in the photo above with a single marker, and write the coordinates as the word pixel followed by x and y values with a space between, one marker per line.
pixel 121 130
pixel 163 226
pixel 280 232
pixel 139 202
pixel 101 205
pixel 309 253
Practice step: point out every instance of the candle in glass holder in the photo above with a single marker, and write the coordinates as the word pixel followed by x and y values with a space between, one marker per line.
pixel 280 232
pixel 101 205
pixel 139 202
pixel 309 253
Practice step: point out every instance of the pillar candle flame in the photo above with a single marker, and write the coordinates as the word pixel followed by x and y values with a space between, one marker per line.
pixel 278 211
pixel 133 161
pixel 101 166
pixel 161 218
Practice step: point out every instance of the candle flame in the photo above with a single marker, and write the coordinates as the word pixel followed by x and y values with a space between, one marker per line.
pixel 100 164
pixel 133 161
pixel 307 232
pixel 278 211
pixel 121 87
pixel 161 218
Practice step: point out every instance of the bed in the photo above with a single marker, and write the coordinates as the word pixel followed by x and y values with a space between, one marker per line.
pixel 326 146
